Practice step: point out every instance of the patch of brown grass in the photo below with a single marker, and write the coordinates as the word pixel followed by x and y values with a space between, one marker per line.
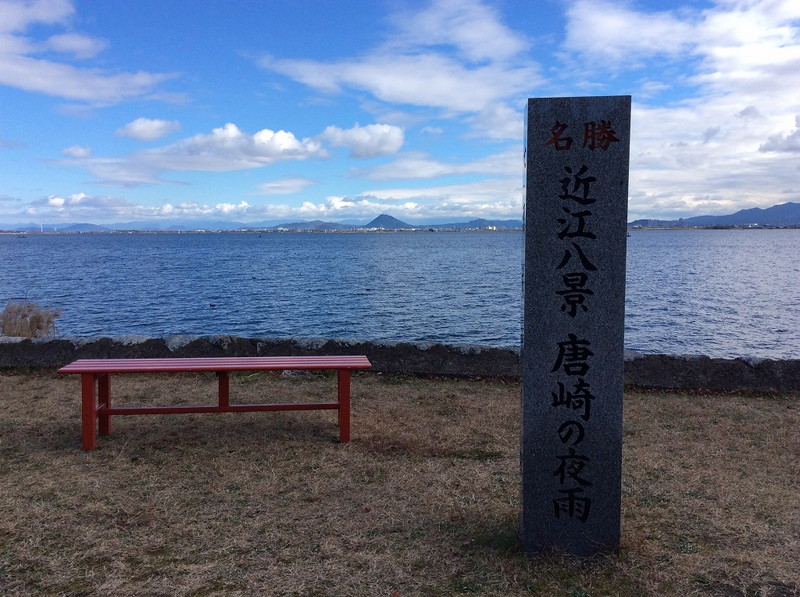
pixel 424 501
pixel 28 320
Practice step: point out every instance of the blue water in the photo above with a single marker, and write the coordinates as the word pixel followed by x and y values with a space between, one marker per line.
pixel 720 293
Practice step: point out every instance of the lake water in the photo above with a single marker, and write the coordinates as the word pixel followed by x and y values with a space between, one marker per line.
pixel 720 293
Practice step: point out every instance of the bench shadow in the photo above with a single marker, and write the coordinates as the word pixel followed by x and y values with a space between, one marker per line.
pixel 222 431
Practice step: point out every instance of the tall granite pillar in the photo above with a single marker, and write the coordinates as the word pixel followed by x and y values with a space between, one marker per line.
pixel 577 156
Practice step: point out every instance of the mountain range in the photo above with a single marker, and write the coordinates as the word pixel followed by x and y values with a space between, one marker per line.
pixel 785 215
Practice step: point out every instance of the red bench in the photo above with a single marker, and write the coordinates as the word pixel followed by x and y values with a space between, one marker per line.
pixel 96 409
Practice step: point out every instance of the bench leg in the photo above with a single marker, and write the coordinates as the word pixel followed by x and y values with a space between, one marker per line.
pixel 224 389
pixel 88 412
pixel 344 405
pixel 104 398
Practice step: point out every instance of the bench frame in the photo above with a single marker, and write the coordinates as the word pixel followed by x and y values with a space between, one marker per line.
pixel 96 408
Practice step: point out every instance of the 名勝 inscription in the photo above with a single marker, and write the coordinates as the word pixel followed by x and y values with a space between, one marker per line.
pixel 575 235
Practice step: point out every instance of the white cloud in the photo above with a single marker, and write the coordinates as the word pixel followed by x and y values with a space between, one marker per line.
pixel 648 88
pixel 229 148
pixel 749 113
pixel 68 82
pixel 725 141
pixel 225 149
pixel 146 129
pixel 751 51
pixel 284 186
pixel 77 151
pixel 369 141
pixel 103 208
pixel 499 121
pixel 432 130
pixel 454 55
pixel 419 165
pixel 418 80
pixel 76 204
pixel 599 30
pixel 473 28
pixel 79 46
pixel 746 47
pixel 192 209
pixel 95 86
pixel 232 208
pixel 16 15
pixel 784 143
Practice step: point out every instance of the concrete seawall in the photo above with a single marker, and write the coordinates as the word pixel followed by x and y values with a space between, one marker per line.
pixel 649 371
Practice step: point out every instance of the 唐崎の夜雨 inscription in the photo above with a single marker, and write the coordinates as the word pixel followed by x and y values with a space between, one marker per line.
pixel 575 242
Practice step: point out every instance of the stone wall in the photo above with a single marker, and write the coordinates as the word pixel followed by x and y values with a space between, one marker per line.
pixel 647 371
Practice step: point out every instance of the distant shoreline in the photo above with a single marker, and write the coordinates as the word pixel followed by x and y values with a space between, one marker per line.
pixel 365 231
pixel 258 231
pixel 651 228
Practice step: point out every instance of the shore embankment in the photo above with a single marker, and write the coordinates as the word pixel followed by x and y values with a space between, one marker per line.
pixel 658 371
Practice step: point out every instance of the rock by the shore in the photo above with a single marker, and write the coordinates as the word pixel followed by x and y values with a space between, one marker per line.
pixel 641 370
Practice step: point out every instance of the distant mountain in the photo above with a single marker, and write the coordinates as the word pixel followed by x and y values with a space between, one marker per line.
pixel 178 225
pixel 78 227
pixel 480 224
pixel 82 228
pixel 314 225
pixel 387 222
pixel 784 215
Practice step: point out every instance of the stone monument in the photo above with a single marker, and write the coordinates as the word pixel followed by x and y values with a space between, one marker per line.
pixel 577 155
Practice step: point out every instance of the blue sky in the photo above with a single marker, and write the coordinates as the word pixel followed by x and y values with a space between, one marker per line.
pixel 279 110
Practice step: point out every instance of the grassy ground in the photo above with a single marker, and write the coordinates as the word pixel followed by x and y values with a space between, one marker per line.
pixel 424 501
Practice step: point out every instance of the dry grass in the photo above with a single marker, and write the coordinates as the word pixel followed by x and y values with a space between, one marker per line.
pixel 28 320
pixel 424 501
